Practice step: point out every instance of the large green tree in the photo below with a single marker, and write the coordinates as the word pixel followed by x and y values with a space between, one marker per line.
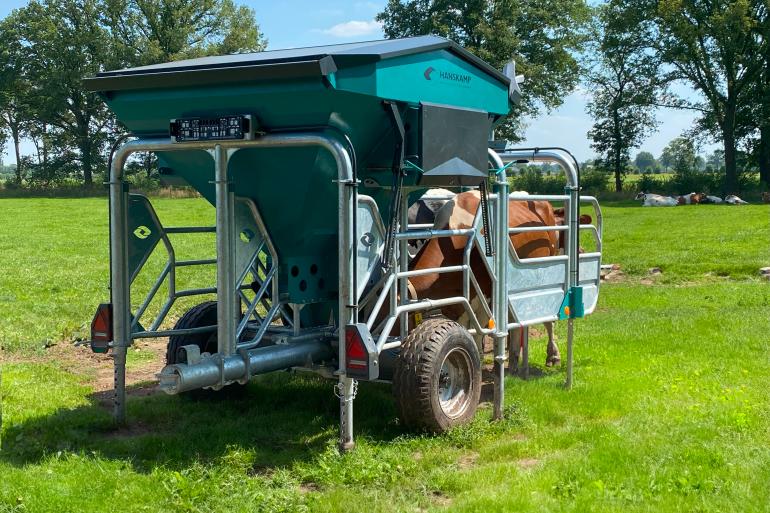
pixel 64 42
pixel 682 155
pixel 645 161
pixel 754 115
pixel 153 31
pixel 622 76
pixel 713 46
pixel 15 114
pixel 543 38
pixel 57 43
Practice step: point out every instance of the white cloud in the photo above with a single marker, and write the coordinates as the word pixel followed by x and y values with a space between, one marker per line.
pixel 354 28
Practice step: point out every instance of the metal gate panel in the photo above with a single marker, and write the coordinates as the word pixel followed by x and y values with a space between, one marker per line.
pixel 536 290
pixel 589 278
pixel 370 237
pixel 144 232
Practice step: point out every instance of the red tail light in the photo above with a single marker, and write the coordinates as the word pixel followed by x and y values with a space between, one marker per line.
pixel 101 329
pixel 360 353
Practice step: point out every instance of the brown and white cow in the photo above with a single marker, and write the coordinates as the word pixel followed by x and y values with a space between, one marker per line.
pixel 448 251
pixel 694 198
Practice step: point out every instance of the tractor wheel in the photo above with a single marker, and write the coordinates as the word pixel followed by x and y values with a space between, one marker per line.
pixel 437 380
pixel 204 314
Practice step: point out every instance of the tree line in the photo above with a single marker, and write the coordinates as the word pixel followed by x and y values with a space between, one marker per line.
pixel 49 46
pixel 631 56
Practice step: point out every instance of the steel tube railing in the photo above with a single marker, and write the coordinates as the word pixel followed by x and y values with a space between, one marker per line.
pixel 204 261
pixel 428 304
pixel 433 234
pixel 432 270
pixel 191 229
pixel 386 289
pixel 119 281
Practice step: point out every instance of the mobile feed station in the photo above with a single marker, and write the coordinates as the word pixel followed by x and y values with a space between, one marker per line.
pixel 302 152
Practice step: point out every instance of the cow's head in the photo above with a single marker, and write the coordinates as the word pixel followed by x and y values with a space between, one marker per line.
pixel 640 196
pixel 680 200
pixel 698 197
pixel 558 213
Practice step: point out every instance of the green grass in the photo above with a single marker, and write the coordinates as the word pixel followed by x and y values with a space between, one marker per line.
pixel 669 411
pixel 56 256
pixel 633 178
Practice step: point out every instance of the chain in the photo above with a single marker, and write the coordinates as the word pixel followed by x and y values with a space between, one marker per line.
pixel 339 391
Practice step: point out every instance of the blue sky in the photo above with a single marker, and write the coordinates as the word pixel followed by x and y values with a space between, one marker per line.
pixel 293 23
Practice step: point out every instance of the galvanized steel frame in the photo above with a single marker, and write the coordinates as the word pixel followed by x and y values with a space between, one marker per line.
pixel 234 360
pixel 221 152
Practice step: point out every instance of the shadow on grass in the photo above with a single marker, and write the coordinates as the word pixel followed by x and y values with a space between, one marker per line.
pixel 282 417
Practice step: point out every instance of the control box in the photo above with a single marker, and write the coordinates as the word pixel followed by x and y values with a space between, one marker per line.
pixel 223 128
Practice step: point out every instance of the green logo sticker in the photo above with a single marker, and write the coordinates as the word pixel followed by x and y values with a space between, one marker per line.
pixel 142 232
pixel 247 235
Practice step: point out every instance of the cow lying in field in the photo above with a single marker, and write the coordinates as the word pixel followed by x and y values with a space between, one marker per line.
pixel 448 251
pixel 716 200
pixel 732 199
pixel 694 198
pixel 655 200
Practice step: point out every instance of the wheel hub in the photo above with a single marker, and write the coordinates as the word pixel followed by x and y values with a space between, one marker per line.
pixel 454 383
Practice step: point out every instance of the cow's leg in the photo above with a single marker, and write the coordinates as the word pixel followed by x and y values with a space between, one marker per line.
pixel 552 356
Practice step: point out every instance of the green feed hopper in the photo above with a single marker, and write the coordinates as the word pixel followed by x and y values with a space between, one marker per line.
pixel 446 100
pixel 310 158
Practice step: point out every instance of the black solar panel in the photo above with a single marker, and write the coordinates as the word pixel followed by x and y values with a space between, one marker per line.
pixel 343 54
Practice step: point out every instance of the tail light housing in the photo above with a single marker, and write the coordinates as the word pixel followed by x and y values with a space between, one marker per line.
pixel 361 356
pixel 101 329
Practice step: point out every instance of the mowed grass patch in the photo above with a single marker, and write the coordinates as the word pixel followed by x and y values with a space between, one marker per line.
pixel 56 265
pixel 669 411
pixel 56 256
pixel 688 243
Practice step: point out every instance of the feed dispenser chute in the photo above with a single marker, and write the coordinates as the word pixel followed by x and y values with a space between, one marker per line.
pixel 452 146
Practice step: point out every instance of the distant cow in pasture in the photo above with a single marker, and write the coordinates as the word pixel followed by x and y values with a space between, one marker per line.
pixel 732 199
pixel 694 198
pixel 656 200
pixel 716 200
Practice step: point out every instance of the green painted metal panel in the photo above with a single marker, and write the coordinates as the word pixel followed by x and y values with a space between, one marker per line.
pixel 441 77
pixel 294 189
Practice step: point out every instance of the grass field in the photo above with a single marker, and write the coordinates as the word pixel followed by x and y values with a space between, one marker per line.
pixel 669 411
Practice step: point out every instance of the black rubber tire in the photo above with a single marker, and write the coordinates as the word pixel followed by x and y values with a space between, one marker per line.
pixel 418 372
pixel 204 314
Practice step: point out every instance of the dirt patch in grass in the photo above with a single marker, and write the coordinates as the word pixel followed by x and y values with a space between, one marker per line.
pixel 80 359
pixel 130 430
pixel 145 361
pixel 613 274
pixel 527 463
pixel 440 499
pixel 467 460
pixel 308 488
